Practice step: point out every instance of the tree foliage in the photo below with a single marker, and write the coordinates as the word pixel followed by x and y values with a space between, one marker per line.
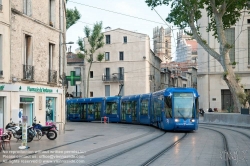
pixel 95 39
pixel 222 14
pixel 72 16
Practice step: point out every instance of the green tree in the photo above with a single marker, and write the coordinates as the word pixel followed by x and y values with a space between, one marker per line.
pixel 72 16
pixel 95 41
pixel 222 14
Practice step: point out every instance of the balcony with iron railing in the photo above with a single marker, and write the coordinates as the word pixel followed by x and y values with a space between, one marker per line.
pixel 115 77
pixel 52 77
pixel 77 94
pixel 28 73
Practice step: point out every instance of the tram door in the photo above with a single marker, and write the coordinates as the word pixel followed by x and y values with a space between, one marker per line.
pixel 133 112
pixel 83 111
pixel 123 118
pixel 97 107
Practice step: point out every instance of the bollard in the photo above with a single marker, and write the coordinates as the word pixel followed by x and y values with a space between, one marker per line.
pixel 105 119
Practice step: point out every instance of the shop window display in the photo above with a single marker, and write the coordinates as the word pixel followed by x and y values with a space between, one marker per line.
pixel 50 109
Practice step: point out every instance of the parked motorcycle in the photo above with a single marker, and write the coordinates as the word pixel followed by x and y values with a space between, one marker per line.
pixel 49 131
pixel 16 131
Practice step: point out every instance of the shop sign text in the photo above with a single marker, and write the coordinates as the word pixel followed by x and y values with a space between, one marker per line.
pixel 45 90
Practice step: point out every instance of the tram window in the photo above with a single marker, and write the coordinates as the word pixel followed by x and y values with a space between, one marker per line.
pixel 74 108
pixel 157 107
pixel 168 107
pixel 90 108
pixel 144 107
pixel 111 108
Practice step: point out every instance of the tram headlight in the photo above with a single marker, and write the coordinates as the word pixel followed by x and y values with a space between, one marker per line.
pixel 176 120
pixel 192 120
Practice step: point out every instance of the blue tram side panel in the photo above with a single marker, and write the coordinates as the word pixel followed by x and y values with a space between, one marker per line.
pixel 144 108
pixel 130 109
pixel 175 109
pixel 85 109
pixel 72 112
pixel 91 108
pixel 112 108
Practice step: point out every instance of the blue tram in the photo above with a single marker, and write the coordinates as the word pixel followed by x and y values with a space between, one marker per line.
pixel 168 109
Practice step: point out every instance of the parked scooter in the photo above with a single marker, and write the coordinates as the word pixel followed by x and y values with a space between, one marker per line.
pixel 16 131
pixel 49 131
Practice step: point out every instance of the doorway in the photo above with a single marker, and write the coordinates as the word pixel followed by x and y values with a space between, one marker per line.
pixel 27 110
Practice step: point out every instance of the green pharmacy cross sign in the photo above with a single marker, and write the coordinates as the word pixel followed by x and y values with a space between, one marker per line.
pixel 73 78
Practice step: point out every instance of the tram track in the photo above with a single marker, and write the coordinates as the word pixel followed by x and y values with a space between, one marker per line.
pixel 228 161
pixel 124 151
pixel 248 136
pixel 152 159
pixel 156 156
pixel 151 131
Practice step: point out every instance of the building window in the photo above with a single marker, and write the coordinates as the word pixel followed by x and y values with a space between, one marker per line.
pixel 1 5
pixel 91 74
pixel 28 50
pixel 121 56
pixel 91 94
pixel 106 56
pixel 27 9
pixel 107 90
pixel 107 73
pixel 52 13
pixel 184 85
pixel 230 37
pixel 121 73
pixel 107 39
pixel 78 71
pixel 51 56
pixel 52 61
pixel 1 55
pixel 249 46
pixel 125 39
pixel 50 109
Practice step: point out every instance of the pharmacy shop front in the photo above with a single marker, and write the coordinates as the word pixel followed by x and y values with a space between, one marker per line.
pixel 44 103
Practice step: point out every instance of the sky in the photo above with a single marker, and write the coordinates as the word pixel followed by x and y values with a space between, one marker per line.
pixel 107 12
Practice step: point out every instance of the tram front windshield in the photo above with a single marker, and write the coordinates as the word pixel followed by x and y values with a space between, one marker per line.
pixel 183 105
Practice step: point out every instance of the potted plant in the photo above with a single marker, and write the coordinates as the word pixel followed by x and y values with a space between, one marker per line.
pixel 244 100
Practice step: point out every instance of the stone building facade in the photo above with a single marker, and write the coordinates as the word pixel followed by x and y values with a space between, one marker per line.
pixel 129 66
pixel 162 43
pixel 32 60
pixel 214 92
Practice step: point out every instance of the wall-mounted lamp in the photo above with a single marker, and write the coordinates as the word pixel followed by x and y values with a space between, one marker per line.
pixel 144 57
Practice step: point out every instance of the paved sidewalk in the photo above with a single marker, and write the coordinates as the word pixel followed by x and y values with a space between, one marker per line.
pixel 79 137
